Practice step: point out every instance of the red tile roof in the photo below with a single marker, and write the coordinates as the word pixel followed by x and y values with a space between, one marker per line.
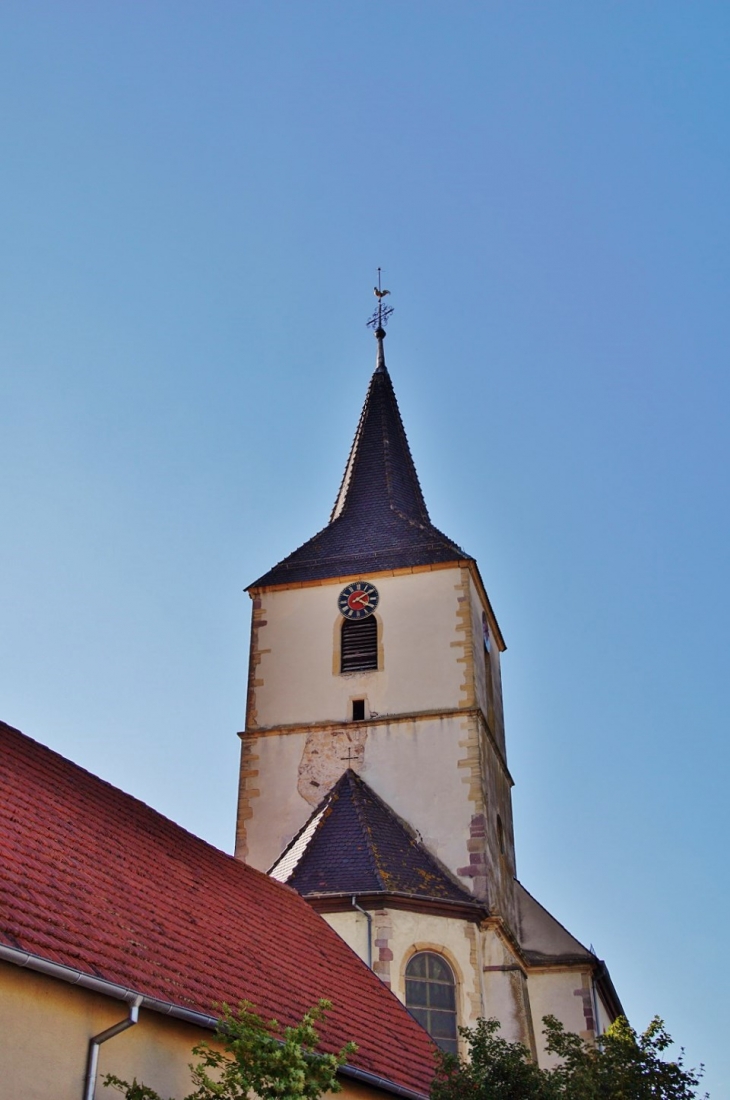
pixel 93 879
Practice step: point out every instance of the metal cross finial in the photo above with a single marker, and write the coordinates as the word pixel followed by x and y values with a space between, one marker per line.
pixel 379 319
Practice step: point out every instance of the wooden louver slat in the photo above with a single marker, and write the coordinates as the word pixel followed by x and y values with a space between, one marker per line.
pixel 359 645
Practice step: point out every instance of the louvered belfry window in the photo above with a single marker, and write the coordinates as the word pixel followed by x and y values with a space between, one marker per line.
pixel 359 645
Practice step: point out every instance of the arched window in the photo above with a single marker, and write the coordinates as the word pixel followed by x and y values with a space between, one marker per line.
pixel 431 997
pixel 359 645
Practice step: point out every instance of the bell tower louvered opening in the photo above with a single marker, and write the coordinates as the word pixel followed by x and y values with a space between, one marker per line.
pixel 359 645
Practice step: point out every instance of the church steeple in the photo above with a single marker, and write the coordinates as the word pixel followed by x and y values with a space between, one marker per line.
pixel 380 476
pixel 374 774
pixel 380 519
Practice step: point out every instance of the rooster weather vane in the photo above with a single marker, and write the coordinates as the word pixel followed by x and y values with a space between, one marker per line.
pixel 380 316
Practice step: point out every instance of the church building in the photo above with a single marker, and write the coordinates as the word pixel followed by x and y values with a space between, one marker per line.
pixel 121 935
pixel 374 775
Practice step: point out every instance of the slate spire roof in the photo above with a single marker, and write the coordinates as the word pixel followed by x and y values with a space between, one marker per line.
pixel 354 844
pixel 380 520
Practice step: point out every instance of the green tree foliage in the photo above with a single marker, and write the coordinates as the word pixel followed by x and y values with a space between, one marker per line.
pixel 493 1070
pixel 621 1065
pixel 259 1058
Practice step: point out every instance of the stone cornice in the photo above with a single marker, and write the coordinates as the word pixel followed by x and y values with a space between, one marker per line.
pixel 253 732
pixel 412 903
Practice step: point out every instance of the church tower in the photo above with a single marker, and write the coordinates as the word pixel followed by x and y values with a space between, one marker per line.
pixel 374 775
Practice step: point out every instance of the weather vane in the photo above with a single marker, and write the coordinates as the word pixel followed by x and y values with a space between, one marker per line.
pixel 380 316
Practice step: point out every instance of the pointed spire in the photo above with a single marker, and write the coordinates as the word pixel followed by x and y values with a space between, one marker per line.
pixel 380 476
pixel 380 520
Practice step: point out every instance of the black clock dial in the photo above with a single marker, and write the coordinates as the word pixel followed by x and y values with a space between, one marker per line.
pixel 358 600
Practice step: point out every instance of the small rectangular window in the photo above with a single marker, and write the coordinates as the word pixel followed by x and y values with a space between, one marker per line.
pixel 358 710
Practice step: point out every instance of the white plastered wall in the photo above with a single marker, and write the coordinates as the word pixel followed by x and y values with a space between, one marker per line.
pixel 413 765
pixel 505 988
pixel 558 993
pixel 298 681
pixel 490 981
pixel 453 938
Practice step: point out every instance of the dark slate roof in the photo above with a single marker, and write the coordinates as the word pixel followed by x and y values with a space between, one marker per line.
pixel 354 844
pixel 380 520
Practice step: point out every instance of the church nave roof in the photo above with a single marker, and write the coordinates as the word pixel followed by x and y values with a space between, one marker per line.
pixel 104 887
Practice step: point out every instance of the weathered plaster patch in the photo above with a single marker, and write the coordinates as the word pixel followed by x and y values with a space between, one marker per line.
pixel 327 754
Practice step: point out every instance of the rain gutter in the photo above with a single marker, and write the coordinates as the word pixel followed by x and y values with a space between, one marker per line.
pixel 166 1008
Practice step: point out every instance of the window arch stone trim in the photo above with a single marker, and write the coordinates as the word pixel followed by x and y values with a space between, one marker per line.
pixel 444 955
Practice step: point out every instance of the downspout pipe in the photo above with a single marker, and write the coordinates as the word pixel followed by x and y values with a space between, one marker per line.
pixel 369 919
pixel 90 982
pixel 92 1063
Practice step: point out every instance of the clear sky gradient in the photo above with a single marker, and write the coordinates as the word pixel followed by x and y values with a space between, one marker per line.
pixel 194 199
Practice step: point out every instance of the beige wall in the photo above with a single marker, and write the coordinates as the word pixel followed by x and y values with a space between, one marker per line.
pixel 45 1027
pixel 433 766
pixel 561 993
pixel 408 933
pixel 297 680
pixel 491 979
pixel 432 746
pixel 414 765
pixel 505 987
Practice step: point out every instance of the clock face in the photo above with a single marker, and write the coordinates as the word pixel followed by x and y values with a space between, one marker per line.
pixel 358 600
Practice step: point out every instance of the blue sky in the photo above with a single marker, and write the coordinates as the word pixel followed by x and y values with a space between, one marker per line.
pixel 194 200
